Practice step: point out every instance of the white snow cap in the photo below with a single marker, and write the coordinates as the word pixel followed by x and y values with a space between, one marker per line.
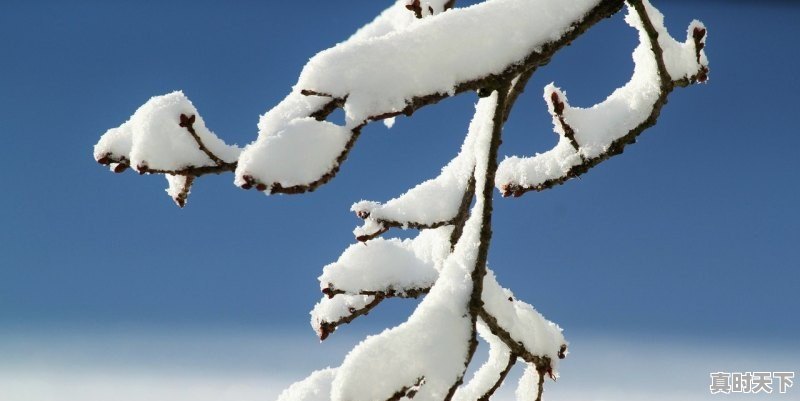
pixel 298 155
pixel 429 350
pixel 386 265
pixel 396 58
pixel 152 139
pixel 316 387
pixel 381 74
pixel 598 127
pixel 489 373
pixel 432 202
pixel 331 310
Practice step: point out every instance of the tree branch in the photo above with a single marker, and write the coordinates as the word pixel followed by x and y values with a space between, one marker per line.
pixel 463 213
pixel 604 9
pixel 188 123
pixel 667 85
pixel 331 292
pixel 540 385
pixel 512 359
pixel 516 347
pixel 327 328
pixel 183 195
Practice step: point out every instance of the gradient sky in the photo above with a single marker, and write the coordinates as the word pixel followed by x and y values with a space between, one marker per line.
pixel 691 235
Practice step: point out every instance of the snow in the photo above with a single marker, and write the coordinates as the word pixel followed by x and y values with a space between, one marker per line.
pixel 296 106
pixel 175 187
pixel 152 137
pixel 525 325
pixel 381 74
pixel 597 127
pixel 375 74
pixel 302 152
pixel 391 61
pixel 432 202
pixel 370 228
pixel 394 18
pixel 385 265
pixel 528 387
pixel 679 58
pixel 433 343
pixel 489 373
pixel 330 310
pixel 316 387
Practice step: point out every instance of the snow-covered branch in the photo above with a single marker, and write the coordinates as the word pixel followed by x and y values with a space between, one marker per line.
pixel 167 136
pixel 589 136
pixel 414 55
pixel 489 377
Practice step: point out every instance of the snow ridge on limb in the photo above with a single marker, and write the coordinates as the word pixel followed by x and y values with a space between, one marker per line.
pixel 428 354
pixel 395 66
pixel 403 70
pixel 388 265
pixel 426 8
pixel 331 312
pixel 254 169
pixel 530 384
pixel 530 336
pixel 167 136
pixel 433 203
pixel 316 387
pixel 267 164
pixel 366 275
pixel 490 376
pixel 589 136
pixel 384 74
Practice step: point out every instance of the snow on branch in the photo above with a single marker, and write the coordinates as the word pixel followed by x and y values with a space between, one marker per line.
pixel 588 136
pixel 422 9
pixel 316 387
pixel 431 350
pixel 531 384
pixel 166 135
pixel 490 376
pixel 524 330
pixel 440 201
pixel 390 67
pixel 413 55
pixel 380 77
pixel 365 275
pixel 388 266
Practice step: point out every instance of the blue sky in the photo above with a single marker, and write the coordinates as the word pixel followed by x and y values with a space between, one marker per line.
pixel 691 236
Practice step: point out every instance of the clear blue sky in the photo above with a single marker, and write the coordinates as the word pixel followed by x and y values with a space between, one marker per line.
pixel 693 232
